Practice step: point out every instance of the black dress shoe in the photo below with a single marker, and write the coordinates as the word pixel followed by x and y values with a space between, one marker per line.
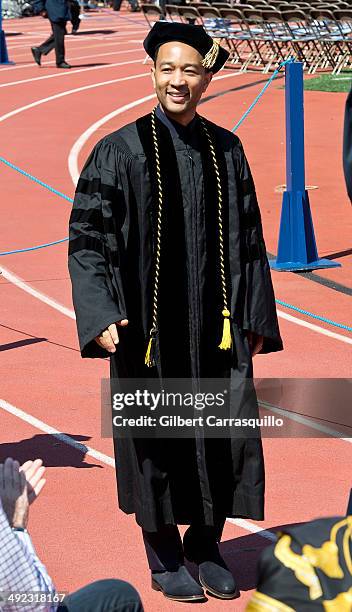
pixel 63 65
pixel 214 575
pixel 37 54
pixel 217 579
pixel 178 585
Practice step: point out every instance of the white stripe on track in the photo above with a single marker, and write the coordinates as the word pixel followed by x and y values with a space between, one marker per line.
pixel 38 424
pixel 91 452
pixel 298 418
pixel 253 528
pixel 75 71
pixel 21 284
pixel 72 59
pixel 21 109
pixel 80 142
pixel 313 327
pixel 117 39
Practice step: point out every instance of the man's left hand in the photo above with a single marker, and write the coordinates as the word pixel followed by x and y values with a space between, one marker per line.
pixel 255 342
pixel 19 487
pixel 13 493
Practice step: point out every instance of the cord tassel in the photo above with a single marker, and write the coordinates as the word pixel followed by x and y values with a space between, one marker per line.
pixel 226 342
pixel 149 360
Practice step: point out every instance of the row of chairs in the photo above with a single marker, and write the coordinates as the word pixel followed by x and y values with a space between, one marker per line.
pixel 263 38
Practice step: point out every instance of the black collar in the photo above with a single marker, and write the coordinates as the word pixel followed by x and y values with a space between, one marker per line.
pixel 176 129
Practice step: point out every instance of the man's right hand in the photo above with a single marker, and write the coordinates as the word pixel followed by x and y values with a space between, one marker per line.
pixel 110 337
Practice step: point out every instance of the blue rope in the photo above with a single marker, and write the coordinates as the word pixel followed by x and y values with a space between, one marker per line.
pixel 34 248
pixel 261 93
pixel 36 180
pixel 314 316
pixel 39 182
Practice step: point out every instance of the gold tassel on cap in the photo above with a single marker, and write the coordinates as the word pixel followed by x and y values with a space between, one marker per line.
pixel 212 55
pixel 226 342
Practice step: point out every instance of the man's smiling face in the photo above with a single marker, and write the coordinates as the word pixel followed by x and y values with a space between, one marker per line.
pixel 179 80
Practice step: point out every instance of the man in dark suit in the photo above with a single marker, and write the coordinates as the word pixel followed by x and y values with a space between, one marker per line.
pixel 58 13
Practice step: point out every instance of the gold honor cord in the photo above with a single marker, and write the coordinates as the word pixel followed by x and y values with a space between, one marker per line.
pixel 149 361
pixel 226 342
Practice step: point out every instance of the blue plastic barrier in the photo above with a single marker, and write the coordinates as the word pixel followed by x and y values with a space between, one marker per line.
pixel 297 248
pixel 4 58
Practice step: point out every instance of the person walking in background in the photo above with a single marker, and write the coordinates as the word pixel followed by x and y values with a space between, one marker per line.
pixel 58 13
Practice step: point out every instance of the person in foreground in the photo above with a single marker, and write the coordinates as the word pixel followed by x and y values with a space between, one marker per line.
pixel 309 568
pixel 170 278
pixel 21 572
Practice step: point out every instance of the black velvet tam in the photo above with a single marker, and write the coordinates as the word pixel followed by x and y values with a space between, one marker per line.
pixel 193 35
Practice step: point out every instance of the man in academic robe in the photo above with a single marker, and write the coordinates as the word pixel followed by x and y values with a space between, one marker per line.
pixel 171 279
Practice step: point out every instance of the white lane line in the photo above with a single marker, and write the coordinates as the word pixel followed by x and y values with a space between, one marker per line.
pixel 298 418
pixel 75 150
pixel 117 39
pixel 87 450
pixel 80 142
pixel 253 528
pixel 75 71
pixel 21 109
pixel 21 284
pixel 38 424
pixel 313 327
pixel 72 59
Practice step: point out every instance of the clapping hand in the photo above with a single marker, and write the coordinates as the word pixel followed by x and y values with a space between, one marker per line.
pixel 19 487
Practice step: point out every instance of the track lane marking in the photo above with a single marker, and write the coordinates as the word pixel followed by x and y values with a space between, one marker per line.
pixel 313 327
pixel 118 39
pixel 91 452
pixel 21 284
pixel 68 92
pixel 38 424
pixel 76 71
pixel 79 57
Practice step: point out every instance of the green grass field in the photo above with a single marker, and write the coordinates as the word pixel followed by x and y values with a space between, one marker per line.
pixel 329 82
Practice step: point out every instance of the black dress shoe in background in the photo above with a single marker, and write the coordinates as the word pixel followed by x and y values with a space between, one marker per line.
pixel 214 575
pixel 37 54
pixel 63 65
pixel 178 585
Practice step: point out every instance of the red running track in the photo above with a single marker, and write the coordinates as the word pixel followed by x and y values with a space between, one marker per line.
pixel 45 114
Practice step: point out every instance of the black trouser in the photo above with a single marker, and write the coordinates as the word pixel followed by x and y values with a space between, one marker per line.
pixel 75 10
pixel 164 547
pixel 112 595
pixel 56 40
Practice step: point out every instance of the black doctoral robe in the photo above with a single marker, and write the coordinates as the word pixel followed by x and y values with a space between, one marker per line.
pixel 111 257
